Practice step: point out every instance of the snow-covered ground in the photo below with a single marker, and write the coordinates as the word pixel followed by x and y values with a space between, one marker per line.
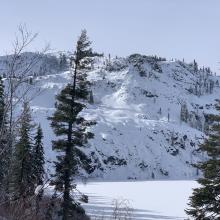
pixel 150 200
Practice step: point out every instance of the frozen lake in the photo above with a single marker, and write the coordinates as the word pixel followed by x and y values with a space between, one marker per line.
pixel 149 200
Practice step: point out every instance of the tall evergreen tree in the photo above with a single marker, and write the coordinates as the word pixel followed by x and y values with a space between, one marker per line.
pixel 38 157
pixel 205 201
pixel 38 165
pixel 5 154
pixel 63 64
pixel 195 66
pixel 67 123
pixel 91 99
pixel 184 114
pixel 22 178
pixel 2 101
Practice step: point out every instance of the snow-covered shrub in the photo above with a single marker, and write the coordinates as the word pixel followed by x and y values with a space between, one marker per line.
pixel 122 209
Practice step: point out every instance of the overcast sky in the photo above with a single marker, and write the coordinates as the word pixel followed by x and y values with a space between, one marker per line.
pixel 187 29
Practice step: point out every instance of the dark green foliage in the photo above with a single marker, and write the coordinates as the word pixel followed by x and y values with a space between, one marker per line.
pixel 139 62
pixel 5 152
pixel 151 59
pixel 22 177
pixel 91 99
pixel 2 101
pixel 195 66
pixel 71 128
pixel 205 201
pixel 31 81
pixel 38 157
pixel 184 114
pixel 63 62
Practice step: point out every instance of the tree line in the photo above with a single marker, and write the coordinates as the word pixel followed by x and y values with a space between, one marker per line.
pixel 22 172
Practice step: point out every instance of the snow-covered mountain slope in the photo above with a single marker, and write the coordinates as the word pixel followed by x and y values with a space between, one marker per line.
pixel 137 103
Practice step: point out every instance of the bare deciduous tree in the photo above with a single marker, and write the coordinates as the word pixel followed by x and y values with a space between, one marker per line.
pixel 17 70
pixel 122 209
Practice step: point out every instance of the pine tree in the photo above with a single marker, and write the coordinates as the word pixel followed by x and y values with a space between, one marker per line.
pixel 22 178
pixel 211 86
pixel 205 201
pixel 206 125
pixel 5 152
pixel 160 111
pixel 2 101
pixel 63 62
pixel 91 99
pixel 195 66
pixel 2 145
pixel 67 123
pixel 184 114
pixel 38 157
pixel 38 164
